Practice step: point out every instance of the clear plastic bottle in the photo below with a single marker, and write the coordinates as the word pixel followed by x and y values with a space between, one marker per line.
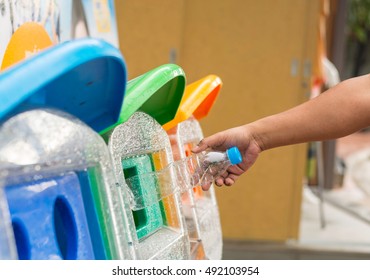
pixel 206 166
pixel 196 170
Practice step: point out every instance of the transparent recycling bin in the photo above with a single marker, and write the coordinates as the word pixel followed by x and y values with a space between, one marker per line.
pixel 141 147
pixel 60 189
pixel 60 199
pixel 200 207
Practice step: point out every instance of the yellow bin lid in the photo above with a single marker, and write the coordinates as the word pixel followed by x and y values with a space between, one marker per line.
pixel 197 100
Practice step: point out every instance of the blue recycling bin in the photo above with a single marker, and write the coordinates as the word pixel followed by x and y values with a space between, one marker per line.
pixel 59 192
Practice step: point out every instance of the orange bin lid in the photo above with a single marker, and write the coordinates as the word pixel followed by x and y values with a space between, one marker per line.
pixel 197 100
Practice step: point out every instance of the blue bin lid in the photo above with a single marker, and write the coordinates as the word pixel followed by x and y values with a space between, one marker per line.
pixel 85 77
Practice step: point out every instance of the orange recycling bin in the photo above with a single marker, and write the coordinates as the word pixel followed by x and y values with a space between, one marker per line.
pixel 200 207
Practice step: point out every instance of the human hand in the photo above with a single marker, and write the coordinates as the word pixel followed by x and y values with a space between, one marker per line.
pixel 241 137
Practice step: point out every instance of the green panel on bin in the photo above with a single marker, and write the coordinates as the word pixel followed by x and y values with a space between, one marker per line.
pixel 93 180
pixel 157 93
pixel 148 219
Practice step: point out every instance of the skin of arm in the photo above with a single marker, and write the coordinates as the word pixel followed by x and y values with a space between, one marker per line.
pixel 337 112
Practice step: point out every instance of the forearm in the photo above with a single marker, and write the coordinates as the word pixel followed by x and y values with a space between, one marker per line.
pixel 339 111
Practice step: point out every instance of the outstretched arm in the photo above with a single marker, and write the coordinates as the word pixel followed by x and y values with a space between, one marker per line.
pixel 337 112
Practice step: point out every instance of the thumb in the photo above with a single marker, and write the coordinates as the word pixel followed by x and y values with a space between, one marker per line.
pixel 212 141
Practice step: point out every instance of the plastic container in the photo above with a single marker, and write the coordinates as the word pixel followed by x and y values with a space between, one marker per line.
pixel 200 207
pixel 59 194
pixel 62 199
pixel 141 149
pixel 205 167
pixel 195 170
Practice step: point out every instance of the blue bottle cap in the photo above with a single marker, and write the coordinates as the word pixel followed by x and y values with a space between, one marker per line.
pixel 234 155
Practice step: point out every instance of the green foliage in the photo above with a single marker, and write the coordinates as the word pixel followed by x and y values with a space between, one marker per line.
pixel 359 19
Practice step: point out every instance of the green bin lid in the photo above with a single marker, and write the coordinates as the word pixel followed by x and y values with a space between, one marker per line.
pixel 157 93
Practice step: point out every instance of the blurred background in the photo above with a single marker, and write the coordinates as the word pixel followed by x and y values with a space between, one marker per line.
pixel 308 201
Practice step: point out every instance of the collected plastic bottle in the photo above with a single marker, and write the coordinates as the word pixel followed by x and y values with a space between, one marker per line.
pixel 206 166
pixel 196 170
